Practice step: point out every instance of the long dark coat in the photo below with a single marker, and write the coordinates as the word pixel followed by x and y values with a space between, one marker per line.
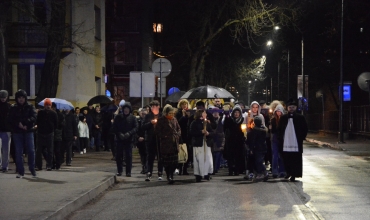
pixel 293 160
pixel 234 143
pixel 168 132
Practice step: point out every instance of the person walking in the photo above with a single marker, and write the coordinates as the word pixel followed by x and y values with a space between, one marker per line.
pixel 125 127
pixel 70 133
pixel 168 132
pixel 83 134
pixel 22 116
pixel 256 141
pixel 97 127
pixel 278 169
pixel 5 137
pixel 58 138
pixel 218 141
pixel 234 151
pixel 201 133
pixel 182 117
pixel 140 139
pixel 151 140
pixel 292 130
pixel 47 122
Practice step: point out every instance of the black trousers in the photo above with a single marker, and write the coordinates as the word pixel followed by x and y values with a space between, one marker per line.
pixel 57 160
pixel 45 148
pixel 151 154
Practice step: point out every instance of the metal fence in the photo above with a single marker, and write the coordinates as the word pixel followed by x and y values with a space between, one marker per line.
pixel 355 120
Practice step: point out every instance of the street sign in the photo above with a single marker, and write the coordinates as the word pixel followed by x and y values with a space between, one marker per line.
pixel 142 84
pixel 161 65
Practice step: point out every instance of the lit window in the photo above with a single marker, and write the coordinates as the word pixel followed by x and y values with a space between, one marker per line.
pixel 361 30
pixel 157 27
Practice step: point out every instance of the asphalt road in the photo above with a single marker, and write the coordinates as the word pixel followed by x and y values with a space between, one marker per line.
pixel 334 186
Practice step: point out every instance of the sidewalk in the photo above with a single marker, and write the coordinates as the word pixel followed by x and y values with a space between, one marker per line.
pixel 56 194
pixel 354 147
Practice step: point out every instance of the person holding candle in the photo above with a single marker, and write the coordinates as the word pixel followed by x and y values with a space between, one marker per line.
pixel 201 133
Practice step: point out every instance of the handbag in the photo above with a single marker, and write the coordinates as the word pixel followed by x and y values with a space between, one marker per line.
pixel 183 153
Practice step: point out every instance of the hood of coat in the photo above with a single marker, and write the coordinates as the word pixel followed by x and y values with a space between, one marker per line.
pixel 127 105
pixel 237 108
pixel 259 108
pixel 279 108
pixel 20 93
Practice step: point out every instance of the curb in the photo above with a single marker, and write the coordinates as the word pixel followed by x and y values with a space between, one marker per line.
pixel 79 202
pixel 325 144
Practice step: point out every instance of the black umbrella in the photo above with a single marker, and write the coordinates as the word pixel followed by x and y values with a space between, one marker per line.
pixel 109 108
pixel 207 92
pixel 175 97
pixel 100 99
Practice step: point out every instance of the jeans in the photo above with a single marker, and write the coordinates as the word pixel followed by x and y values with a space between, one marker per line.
pixel 217 156
pixel 26 140
pixel 4 149
pixel 259 158
pixel 277 160
pixel 45 147
pixel 127 147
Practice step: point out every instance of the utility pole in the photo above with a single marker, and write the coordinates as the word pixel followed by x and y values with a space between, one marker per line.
pixel 341 81
pixel 303 80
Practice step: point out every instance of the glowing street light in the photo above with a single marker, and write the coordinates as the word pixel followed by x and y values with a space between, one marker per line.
pixel 269 43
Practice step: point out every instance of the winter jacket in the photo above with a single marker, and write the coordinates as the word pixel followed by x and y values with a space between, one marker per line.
pixel 83 129
pixel 70 129
pixel 168 133
pixel 148 127
pixel 125 126
pixel 58 132
pixel 256 139
pixel 25 114
pixel 97 120
pixel 234 136
pixel 195 132
pixel 47 121
pixel 4 119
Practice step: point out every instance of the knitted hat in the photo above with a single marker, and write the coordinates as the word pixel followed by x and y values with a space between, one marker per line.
pixel 291 102
pixel 3 94
pixel 47 102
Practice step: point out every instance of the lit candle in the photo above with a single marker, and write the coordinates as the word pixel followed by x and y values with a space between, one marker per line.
pixel 243 127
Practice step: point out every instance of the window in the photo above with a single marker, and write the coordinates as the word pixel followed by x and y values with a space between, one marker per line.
pixel 157 27
pixel 97 23
pixel 119 52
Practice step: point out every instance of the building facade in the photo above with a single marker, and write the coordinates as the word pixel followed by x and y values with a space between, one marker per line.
pixel 82 66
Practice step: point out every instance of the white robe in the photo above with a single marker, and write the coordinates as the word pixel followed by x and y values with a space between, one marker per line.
pixel 202 167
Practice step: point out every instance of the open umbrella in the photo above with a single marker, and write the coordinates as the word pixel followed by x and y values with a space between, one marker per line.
pixel 109 108
pixel 207 92
pixel 60 103
pixel 175 97
pixel 100 99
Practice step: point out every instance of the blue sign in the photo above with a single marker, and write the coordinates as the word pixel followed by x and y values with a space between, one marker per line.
pixel 107 93
pixel 173 90
pixel 346 93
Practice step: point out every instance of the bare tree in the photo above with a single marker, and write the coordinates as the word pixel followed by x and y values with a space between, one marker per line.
pixel 4 76
pixel 56 37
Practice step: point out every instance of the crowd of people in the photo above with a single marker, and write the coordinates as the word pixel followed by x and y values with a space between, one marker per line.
pixel 217 134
